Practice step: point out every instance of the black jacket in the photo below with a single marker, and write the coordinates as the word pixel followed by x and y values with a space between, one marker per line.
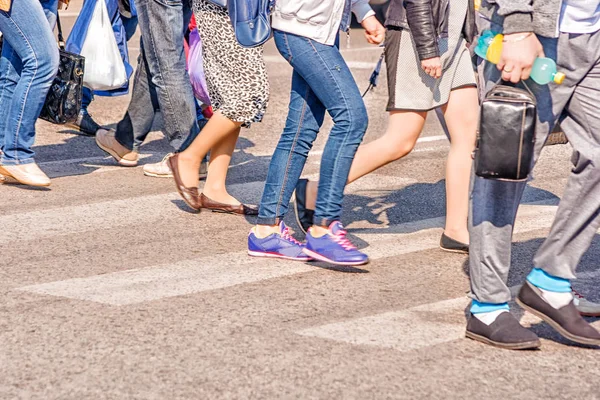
pixel 428 20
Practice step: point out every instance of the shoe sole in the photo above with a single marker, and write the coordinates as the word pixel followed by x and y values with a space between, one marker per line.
pixel 275 255
pixel 586 314
pixel 153 175
pixel 507 346
pixel 119 159
pixel 319 257
pixel 454 251
pixel 556 326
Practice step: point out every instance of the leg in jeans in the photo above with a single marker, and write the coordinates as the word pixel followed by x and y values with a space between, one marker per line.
pixel 494 203
pixel 162 25
pixel 323 70
pixel 28 66
pixel 133 129
pixel 304 119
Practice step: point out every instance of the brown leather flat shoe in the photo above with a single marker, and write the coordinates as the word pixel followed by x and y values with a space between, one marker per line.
pixel 189 194
pixel 215 206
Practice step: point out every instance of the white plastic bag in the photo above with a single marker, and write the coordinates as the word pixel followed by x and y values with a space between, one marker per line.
pixel 104 68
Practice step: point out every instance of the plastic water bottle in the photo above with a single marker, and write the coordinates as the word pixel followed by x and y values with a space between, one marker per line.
pixel 489 47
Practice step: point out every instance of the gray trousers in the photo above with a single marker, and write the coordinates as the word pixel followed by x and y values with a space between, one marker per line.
pixel 494 204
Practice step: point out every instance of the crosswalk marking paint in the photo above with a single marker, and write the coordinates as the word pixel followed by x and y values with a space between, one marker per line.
pixel 217 272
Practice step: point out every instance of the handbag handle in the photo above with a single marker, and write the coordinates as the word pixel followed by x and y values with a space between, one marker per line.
pixel 61 39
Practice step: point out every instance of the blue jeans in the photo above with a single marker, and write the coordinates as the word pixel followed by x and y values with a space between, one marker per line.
pixel 28 66
pixel 161 82
pixel 321 82
pixel 130 25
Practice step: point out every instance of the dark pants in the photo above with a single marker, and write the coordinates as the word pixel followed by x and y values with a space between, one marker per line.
pixel 161 82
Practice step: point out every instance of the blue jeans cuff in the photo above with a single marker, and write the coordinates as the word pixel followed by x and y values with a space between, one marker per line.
pixel 478 307
pixel 268 221
pixel 544 280
pixel 4 161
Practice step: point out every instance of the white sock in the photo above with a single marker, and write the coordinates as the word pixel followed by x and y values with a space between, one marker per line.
pixel 557 299
pixel 488 318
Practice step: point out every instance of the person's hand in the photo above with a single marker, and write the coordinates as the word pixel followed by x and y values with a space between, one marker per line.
pixel 432 67
pixel 518 56
pixel 374 31
pixel 63 3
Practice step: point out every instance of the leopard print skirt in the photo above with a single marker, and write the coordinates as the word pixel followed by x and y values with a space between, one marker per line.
pixel 236 76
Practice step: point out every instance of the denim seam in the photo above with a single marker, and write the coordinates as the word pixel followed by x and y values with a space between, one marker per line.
pixel 294 143
pixel 289 49
pixel 160 73
pixel 22 106
pixel 335 164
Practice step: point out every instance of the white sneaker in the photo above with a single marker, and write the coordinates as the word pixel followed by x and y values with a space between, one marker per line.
pixel 162 170
pixel 585 307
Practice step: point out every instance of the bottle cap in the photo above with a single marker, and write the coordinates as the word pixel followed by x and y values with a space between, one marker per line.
pixel 559 78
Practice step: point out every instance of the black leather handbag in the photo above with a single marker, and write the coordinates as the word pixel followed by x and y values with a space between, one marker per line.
pixel 63 101
pixel 506 137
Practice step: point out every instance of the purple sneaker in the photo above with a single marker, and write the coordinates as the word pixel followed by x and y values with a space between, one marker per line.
pixel 334 247
pixel 277 245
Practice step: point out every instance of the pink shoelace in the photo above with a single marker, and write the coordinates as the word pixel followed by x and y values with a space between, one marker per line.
pixel 577 294
pixel 341 239
pixel 287 235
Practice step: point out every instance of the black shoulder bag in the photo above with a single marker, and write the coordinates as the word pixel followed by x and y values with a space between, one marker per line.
pixel 506 136
pixel 63 101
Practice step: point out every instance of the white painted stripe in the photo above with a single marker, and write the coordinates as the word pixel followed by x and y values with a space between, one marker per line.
pixel 414 328
pixel 203 274
pixel 181 278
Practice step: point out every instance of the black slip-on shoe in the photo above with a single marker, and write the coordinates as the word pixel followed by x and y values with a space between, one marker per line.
pixel 566 320
pixel 505 332
pixel 304 216
pixel 85 124
pixel 453 246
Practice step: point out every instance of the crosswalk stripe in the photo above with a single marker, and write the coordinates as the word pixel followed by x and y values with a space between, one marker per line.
pixel 417 327
pixel 217 272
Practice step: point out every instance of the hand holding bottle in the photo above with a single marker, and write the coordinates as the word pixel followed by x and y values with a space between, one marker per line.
pixel 519 51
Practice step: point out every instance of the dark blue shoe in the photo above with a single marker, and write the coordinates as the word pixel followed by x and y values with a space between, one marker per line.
pixel 334 247
pixel 277 245
pixel 304 216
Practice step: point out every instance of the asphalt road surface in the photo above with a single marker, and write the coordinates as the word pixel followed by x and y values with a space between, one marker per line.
pixel 110 288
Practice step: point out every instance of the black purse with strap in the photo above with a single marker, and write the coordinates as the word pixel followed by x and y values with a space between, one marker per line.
pixel 506 136
pixel 63 101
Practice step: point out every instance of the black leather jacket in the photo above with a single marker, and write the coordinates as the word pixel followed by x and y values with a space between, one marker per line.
pixel 428 20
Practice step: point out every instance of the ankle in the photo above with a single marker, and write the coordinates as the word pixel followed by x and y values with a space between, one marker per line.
pixel 262 231
pixel 318 231
pixel 312 189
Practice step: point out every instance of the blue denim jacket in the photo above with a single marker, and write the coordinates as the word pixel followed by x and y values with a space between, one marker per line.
pixel 79 32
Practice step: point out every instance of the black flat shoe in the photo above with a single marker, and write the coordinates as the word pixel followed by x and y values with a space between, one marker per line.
pixel 453 246
pixel 505 332
pixel 566 320
pixel 304 216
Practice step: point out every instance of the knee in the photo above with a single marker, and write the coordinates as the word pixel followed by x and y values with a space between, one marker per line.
pixel 398 150
pixel 353 121
pixel 47 65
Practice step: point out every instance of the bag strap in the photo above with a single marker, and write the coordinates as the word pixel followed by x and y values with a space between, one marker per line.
pixel 61 39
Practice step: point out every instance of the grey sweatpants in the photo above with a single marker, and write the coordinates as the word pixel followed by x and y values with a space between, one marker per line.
pixel 494 204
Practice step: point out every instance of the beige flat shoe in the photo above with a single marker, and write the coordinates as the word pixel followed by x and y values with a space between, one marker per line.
pixel 105 139
pixel 27 174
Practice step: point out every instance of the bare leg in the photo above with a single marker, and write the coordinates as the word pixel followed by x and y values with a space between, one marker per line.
pixel 461 114
pixel 217 129
pixel 220 158
pixel 404 128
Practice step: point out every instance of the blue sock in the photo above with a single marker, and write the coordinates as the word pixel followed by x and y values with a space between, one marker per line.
pixel 544 280
pixel 478 307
